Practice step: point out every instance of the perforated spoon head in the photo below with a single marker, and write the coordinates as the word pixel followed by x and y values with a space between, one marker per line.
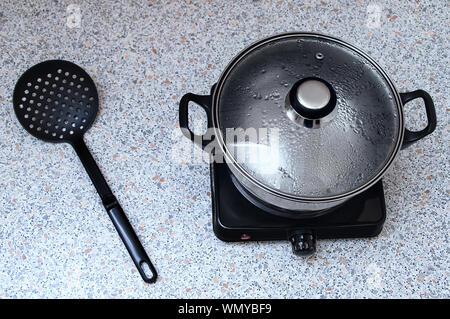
pixel 56 101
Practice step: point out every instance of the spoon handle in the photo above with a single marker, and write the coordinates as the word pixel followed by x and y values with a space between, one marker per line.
pixel 131 241
pixel 115 212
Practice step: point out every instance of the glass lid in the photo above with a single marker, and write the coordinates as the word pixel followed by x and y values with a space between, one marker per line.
pixel 307 116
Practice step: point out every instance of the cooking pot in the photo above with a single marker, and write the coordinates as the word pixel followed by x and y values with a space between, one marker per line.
pixel 304 122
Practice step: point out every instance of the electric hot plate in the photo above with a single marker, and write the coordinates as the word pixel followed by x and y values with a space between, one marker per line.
pixel 236 217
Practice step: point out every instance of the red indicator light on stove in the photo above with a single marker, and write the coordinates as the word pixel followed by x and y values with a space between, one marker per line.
pixel 245 236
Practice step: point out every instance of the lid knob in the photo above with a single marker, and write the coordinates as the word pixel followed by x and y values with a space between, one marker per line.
pixel 313 94
pixel 311 102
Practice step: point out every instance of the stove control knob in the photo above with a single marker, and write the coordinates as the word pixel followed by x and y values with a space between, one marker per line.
pixel 303 243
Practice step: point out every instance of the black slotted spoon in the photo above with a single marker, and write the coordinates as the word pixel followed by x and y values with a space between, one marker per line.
pixel 57 101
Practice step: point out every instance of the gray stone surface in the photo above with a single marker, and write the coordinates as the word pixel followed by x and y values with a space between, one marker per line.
pixel 55 237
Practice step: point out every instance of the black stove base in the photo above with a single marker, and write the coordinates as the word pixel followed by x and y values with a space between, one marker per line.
pixel 235 218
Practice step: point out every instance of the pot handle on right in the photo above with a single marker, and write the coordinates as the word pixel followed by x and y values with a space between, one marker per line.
pixel 411 137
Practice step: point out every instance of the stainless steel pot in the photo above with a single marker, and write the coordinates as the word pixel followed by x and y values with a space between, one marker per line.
pixel 331 118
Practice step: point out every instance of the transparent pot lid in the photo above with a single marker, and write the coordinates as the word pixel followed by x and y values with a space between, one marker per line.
pixel 307 116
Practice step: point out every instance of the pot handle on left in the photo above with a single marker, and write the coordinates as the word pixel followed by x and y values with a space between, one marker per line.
pixel 205 102
pixel 411 137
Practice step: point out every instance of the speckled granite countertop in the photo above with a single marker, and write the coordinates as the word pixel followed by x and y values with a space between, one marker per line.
pixel 55 237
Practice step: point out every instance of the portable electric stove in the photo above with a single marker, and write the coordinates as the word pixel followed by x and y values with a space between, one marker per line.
pixel 238 217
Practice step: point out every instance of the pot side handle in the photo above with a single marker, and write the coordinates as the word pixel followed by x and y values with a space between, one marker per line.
pixel 411 137
pixel 205 102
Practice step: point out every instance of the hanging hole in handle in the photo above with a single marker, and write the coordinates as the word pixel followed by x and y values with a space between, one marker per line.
pixel 415 115
pixel 198 119
pixel 148 271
